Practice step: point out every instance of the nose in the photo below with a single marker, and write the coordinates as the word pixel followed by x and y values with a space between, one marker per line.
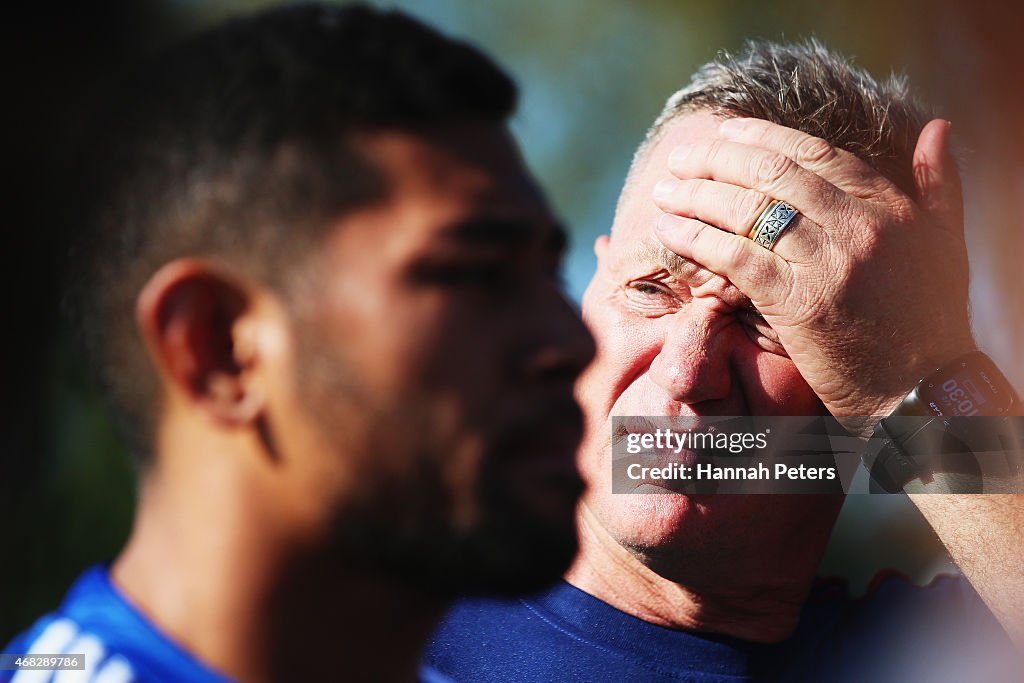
pixel 567 346
pixel 693 363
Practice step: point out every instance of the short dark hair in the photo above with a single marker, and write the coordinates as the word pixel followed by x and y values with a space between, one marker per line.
pixel 812 89
pixel 240 145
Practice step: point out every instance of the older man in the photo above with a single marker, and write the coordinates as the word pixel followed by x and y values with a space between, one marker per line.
pixel 322 295
pixel 720 588
pixel 872 342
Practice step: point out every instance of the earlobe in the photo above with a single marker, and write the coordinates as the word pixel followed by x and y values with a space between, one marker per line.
pixel 189 315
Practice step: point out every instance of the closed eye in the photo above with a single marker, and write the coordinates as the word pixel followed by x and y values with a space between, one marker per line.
pixel 652 298
pixel 760 332
pixel 648 288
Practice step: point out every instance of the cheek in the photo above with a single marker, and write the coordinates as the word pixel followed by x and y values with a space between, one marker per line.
pixel 774 386
pixel 440 346
pixel 626 345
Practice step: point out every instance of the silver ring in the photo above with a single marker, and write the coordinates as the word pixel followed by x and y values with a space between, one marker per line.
pixel 772 222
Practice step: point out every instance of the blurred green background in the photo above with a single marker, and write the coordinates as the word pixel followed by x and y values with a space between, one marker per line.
pixel 593 75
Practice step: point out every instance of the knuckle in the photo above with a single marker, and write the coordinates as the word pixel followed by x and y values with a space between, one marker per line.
pixel 688 240
pixel 713 150
pixel 735 253
pixel 689 192
pixel 772 168
pixel 749 206
pixel 814 151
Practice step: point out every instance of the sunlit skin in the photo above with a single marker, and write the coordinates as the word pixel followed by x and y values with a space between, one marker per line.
pixel 914 245
pixel 307 444
pixel 676 340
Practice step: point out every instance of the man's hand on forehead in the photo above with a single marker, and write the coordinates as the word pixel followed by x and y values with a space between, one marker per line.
pixel 867 289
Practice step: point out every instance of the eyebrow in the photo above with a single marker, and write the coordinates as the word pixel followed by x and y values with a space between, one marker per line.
pixel 679 267
pixel 507 233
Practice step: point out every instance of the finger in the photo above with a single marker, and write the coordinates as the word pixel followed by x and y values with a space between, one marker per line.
pixel 937 178
pixel 722 205
pixel 770 173
pixel 760 274
pixel 841 168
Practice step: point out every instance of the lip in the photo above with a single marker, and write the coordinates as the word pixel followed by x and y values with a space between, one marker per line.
pixel 659 457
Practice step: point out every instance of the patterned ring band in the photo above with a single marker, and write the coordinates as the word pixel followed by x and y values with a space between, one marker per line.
pixel 772 222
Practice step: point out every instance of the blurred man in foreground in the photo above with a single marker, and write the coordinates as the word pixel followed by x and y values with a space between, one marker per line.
pixel 721 588
pixel 322 293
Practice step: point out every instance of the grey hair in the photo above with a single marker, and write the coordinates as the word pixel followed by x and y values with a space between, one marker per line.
pixel 812 89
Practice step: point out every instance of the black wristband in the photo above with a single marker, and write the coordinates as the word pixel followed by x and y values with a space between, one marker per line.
pixel 920 436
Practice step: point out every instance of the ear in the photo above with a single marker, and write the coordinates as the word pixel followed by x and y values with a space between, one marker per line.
pixel 600 247
pixel 194 320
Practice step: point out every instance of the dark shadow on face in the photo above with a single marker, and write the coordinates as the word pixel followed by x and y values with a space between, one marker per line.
pixel 437 365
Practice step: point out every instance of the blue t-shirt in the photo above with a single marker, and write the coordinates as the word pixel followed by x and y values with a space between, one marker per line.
pixel 120 644
pixel 898 632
